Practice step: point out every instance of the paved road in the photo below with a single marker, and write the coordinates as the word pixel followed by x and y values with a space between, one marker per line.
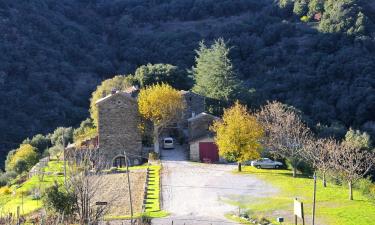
pixel 196 193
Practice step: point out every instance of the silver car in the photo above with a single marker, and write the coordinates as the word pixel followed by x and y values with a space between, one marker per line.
pixel 266 163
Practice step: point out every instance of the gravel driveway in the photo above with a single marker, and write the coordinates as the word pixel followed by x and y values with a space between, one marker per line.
pixel 196 193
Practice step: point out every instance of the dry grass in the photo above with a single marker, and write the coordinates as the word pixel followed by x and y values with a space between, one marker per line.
pixel 114 190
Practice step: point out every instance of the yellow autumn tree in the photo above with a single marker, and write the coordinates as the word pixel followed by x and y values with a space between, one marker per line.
pixel 27 153
pixel 238 135
pixel 163 105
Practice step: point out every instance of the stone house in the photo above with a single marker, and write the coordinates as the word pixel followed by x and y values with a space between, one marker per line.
pixel 202 145
pixel 118 129
pixel 195 104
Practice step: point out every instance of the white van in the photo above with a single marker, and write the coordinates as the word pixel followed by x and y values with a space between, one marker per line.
pixel 168 143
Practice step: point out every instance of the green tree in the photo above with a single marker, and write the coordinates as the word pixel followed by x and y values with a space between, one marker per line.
pixel 358 139
pixel 315 6
pixel 57 199
pixel 118 82
pixel 40 142
pixel 343 16
pixel 20 166
pixel 162 73
pixel 300 7
pixel 86 130
pixel 57 136
pixel 213 73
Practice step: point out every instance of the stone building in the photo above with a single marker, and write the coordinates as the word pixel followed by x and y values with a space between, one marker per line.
pixel 195 104
pixel 202 145
pixel 118 129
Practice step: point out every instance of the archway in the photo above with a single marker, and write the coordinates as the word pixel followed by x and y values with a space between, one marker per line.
pixel 119 161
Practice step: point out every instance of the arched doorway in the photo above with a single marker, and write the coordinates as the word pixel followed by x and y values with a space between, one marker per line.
pixel 119 161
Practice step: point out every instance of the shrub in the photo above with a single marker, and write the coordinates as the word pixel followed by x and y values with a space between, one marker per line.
pixel 366 187
pixel 5 191
pixel 153 156
pixel 59 200
pixel 305 19
pixel 27 154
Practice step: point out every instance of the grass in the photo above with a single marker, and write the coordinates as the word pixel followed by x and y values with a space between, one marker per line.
pixel 152 205
pixel 22 195
pixel 333 206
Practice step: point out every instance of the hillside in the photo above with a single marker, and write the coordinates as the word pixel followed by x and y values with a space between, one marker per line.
pixel 53 54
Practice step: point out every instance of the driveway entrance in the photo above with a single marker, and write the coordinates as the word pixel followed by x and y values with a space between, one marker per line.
pixel 196 193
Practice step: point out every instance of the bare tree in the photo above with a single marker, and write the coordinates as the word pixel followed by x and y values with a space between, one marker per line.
pixel 286 134
pixel 84 178
pixel 351 163
pixel 319 153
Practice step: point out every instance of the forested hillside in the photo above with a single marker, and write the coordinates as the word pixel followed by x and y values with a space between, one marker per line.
pixel 316 55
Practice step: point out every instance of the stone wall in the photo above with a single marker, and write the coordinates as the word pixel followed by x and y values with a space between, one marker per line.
pixel 199 126
pixel 118 122
pixel 194 148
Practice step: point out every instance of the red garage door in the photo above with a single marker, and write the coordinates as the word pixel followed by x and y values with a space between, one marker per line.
pixel 208 152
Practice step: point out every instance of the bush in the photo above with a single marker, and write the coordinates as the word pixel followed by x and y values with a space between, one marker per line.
pixel 5 191
pixel 59 200
pixel 366 187
pixel 305 19
pixel 153 156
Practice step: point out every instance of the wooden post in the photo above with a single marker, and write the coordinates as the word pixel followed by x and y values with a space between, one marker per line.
pixel 130 193
pixel 18 215
pixel 314 200
pixel 303 215
pixel 63 143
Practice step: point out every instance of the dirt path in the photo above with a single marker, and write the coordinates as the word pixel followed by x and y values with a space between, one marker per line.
pixel 196 193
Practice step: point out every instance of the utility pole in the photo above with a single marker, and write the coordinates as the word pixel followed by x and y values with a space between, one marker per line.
pixel 130 193
pixel 314 200
pixel 63 143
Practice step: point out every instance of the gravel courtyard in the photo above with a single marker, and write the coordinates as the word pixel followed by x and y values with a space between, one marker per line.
pixel 196 193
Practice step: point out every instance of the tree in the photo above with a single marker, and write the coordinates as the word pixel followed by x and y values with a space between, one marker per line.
pixel 300 7
pixel 286 134
pixel 351 163
pixel 343 16
pixel 319 153
pixel 315 6
pixel 60 200
pixel 85 131
pixel 238 135
pixel 161 104
pixel 119 82
pixel 40 142
pixel 27 154
pixel 85 179
pixel 213 73
pixel 57 136
pixel 162 73
pixel 358 139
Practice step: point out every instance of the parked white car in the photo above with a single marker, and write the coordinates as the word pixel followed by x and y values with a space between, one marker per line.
pixel 168 143
pixel 266 163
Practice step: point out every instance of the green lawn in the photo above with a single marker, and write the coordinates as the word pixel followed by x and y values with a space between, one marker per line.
pixel 22 195
pixel 153 194
pixel 333 206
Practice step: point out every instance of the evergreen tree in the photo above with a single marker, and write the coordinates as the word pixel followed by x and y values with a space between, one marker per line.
pixel 213 73
pixel 300 7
